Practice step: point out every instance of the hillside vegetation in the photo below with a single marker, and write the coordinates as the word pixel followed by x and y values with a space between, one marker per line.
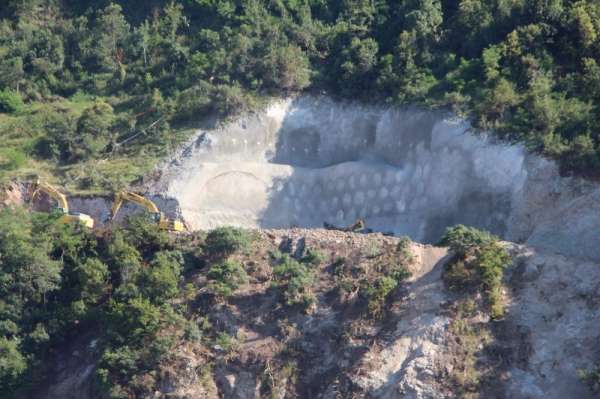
pixel 149 299
pixel 93 94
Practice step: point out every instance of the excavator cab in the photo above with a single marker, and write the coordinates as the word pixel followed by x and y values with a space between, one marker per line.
pixel 62 205
pixel 155 214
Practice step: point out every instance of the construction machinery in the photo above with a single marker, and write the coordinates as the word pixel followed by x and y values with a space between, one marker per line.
pixel 157 216
pixel 62 204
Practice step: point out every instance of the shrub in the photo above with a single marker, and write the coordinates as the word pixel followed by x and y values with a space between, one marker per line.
pixel 377 294
pixel 193 101
pixel 224 241
pixel 226 342
pixel 226 277
pixel 10 101
pixel 295 279
pixel 399 273
pixel 403 249
pixel 313 257
pixel 93 277
pixel 461 238
pixel 160 281
pixel 11 159
pixel 459 277
pixel 403 244
pixel 192 332
pixel 136 319
pixel 480 263
pixel 591 378
pixel 229 99
pixel 338 265
pixel 144 233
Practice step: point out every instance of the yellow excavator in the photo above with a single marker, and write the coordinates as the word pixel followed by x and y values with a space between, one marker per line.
pixel 62 204
pixel 157 215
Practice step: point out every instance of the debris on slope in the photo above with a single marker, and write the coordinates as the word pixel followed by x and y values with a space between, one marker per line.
pixel 426 341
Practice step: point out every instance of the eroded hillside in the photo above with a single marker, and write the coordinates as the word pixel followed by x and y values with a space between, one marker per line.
pixel 355 315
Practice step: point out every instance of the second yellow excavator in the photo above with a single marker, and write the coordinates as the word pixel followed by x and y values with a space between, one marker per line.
pixel 157 215
pixel 62 204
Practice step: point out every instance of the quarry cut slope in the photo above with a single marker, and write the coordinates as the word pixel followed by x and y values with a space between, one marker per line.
pixel 306 161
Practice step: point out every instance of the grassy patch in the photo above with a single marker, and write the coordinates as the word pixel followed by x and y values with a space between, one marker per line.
pixel 22 135
pixel 470 337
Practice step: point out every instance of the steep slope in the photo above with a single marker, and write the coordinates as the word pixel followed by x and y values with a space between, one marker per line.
pixel 306 161
pixel 415 350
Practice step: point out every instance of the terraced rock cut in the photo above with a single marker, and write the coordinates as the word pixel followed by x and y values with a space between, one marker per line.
pixel 309 161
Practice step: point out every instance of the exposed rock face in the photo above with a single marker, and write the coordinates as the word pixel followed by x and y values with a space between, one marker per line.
pixel 307 161
pixel 407 364
pixel 556 302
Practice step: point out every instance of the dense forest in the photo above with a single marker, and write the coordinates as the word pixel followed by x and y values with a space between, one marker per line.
pixel 85 82
pixel 58 281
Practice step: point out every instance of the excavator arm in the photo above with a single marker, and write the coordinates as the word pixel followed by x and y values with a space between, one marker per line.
pixel 159 217
pixel 52 192
pixel 61 203
pixel 136 199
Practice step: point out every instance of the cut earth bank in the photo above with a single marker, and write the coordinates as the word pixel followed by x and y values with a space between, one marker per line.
pixel 309 160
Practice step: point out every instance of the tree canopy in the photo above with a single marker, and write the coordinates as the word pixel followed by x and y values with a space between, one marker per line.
pixel 527 69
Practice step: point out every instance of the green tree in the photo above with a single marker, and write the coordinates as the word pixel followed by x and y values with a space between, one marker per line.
pixel 377 294
pixel 93 276
pixel 94 130
pixel 12 364
pixel 160 280
pixel 10 101
pixel 286 68
pixel 111 33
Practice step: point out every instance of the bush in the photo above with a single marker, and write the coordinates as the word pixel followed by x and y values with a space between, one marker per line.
pixel 480 263
pixel 10 101
pixel 399 273
pixel 229 99
pixel 93 277
pixel 403 244
pixel 313 257
pixel 224 241
pixel 591 378
pixel 295 279
pixel 459 277
pixel 144 233
pixel 461 239
pixel 135 319
pixel 378 293
pixel 226 342
pixel 160 281
pixel 11 159
pixel 226 277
